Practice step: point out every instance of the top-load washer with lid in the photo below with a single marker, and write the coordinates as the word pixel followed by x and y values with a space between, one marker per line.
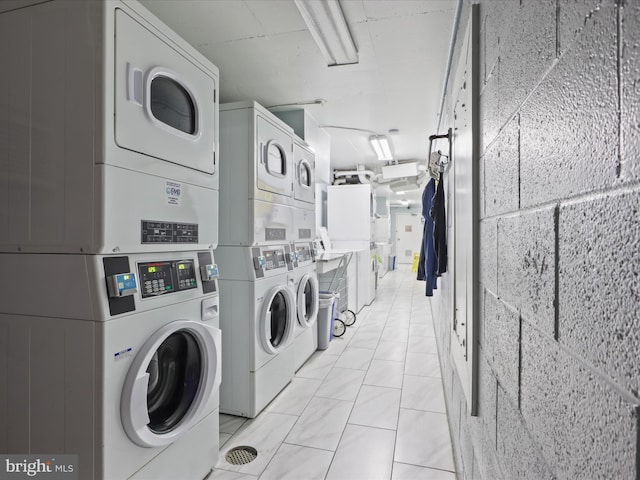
pixel 118 362
pixel 258 320
pixel 256 177
pixel 113 124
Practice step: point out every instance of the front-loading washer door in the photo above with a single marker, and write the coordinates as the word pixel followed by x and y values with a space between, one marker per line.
pixel 171 379
pixel 276 320
pixel 308 300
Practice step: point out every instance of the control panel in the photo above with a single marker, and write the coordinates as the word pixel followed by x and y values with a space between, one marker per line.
pixel 160 278
pixel 279 234
pixel 271 259
pixel 274 259
pixel 303 253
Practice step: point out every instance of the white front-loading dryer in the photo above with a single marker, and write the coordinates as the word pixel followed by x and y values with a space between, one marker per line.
pixel 256 177
pixel 118 362
pixel 304 173
pixel 114 126
pixel 258 321
pixel 307 302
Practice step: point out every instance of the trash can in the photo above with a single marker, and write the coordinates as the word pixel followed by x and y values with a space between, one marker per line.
pixel 325 319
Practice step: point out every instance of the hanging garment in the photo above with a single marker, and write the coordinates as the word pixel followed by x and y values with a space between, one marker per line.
pixel 427 266
pixel 440 228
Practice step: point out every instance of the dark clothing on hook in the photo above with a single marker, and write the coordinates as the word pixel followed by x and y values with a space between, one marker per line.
pixel 427 266
pixel 440 227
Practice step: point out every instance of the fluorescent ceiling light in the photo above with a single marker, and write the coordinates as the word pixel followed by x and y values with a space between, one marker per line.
pixel 327 25
pixel 381 146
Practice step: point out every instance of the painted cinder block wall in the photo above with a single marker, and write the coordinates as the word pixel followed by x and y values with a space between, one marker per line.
pixel 559 356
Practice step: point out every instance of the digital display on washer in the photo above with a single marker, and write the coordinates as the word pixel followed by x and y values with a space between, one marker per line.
pixel 274 259
pixel 160 278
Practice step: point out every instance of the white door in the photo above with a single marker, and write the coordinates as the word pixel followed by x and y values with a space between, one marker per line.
pixel 170 381
pixel 277 318
pixel 275 162
pixel 304 166
pixel 308 300
pixel 164 103
pixel 409 228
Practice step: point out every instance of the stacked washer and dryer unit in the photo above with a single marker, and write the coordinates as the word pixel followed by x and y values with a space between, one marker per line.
pixel 109 339
pixel 257 281
pixel 304 253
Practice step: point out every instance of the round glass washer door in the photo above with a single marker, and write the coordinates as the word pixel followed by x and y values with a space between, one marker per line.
pixel 277 317
pixel 170 381
pixel 308 300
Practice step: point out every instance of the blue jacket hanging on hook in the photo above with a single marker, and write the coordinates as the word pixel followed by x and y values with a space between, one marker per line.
pixel 428 264
pixel 440 227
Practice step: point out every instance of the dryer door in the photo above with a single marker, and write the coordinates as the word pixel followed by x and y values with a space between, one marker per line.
pixel 304 185
pixel 277 317
pixel 308 300
pixel 164 101
pixel 274 163
pixel 170 381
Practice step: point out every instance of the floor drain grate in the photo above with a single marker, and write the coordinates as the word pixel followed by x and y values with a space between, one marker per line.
pixel 241 455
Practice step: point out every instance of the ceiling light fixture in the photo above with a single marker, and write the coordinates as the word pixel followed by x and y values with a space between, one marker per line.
pixel 381 146
pixel 326 23
pixel 403 186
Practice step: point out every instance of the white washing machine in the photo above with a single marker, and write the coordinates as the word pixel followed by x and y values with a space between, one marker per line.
pixel 257 318
pixel 119 362
pixel 256 177
pixel 113 121
pixel 307 302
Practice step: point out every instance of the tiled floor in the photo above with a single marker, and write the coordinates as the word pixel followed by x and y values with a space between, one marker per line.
pixel 371 406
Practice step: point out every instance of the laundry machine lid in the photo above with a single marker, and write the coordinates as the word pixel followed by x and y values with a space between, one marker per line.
pixel 277 317
pixel 308 300
pixel 170 381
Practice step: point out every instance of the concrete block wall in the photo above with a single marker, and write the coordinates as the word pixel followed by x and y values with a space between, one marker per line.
pixel 559 326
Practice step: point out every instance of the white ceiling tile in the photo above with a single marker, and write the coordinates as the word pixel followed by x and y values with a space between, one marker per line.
pixel 207 21
pixel 276 16
pixel 405 8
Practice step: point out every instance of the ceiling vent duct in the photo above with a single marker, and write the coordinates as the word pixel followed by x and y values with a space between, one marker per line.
pixel 400 170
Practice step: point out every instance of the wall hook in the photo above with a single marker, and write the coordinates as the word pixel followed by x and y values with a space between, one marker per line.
pixel 437 161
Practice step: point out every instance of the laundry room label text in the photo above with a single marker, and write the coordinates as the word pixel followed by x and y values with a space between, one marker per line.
pixel 173 190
